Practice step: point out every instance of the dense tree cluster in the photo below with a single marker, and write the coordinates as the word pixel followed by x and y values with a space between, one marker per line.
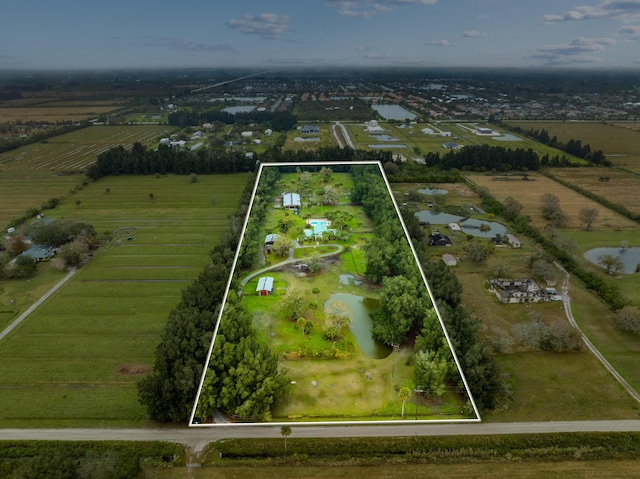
pixel 278 121
pixel 485 158
pixel 142 161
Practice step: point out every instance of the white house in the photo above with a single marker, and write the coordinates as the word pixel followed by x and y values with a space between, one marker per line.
pixel 427 131
pixel 246 134
pixel 445 133
pixel 268 132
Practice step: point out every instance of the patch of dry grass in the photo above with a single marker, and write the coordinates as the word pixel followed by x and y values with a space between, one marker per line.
pixel 528 193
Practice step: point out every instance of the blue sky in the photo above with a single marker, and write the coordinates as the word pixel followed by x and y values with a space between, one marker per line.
pixel 69 34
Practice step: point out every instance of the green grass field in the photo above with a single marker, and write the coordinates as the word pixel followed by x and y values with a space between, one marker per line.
pixel 619 142
pixel 76 359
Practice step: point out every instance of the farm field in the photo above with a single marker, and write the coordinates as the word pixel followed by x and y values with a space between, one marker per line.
pixel 24 190
pixel 620 142
pixel 53 113
pixel 613 184
pixel 77 358
pixel 77 150
pixel 528 193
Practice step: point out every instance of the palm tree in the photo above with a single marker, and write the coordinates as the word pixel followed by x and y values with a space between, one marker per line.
pixel 405 394
pixel 285 431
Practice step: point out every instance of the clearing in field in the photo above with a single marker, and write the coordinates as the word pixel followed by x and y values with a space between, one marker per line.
pixel 318 322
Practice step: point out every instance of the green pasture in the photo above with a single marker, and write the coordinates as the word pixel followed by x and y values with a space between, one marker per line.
pixel 550 386
pixel 621 145
pixel 82 352
pixel 24 190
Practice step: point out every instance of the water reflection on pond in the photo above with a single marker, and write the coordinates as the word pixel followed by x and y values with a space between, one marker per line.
pixel 433 191
pixel 630 257
pixel 360 326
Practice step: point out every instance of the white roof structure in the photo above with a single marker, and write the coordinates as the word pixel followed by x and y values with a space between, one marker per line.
pixel 265 284
pixel 291 200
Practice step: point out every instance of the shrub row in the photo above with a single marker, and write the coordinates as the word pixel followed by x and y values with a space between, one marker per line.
pixel 591 446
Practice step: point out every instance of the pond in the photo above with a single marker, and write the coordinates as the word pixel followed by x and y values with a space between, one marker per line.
pixel 384 137
pixel 239 109
pixel 394 112
pixel 469 226
pixel 361 324
pixel 630 257
pixel 433 191
pixel 381 146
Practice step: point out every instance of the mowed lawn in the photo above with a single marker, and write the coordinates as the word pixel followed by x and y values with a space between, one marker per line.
pixel 77 358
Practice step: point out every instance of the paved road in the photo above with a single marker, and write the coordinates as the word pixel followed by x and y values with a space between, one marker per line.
pixel 197 438
pixel 10 328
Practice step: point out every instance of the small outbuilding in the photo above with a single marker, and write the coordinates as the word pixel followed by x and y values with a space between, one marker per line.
pixel 513 241
pixel 265 286
pixel 449 259
pixel 291 200
pixel 271 238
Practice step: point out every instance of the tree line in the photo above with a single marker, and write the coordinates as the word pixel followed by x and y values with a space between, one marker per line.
pixel 278 121
pixel 485 158
pixel 573 147
pixel 165 160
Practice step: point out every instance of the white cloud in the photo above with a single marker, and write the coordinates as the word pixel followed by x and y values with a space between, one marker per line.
pixel 440 43
pixel 184 45
pixel 624 10
pixel 578 50
pixel 367 9
pixel 474 34
pixel 269 26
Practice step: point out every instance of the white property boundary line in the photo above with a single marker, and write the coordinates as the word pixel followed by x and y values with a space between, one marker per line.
pixel 415 257
pixel 37 303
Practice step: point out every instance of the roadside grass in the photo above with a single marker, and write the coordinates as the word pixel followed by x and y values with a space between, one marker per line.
pixel 528 193
pixel 82 351
pixel 517 469
pixel 549 386
pixel 621 144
